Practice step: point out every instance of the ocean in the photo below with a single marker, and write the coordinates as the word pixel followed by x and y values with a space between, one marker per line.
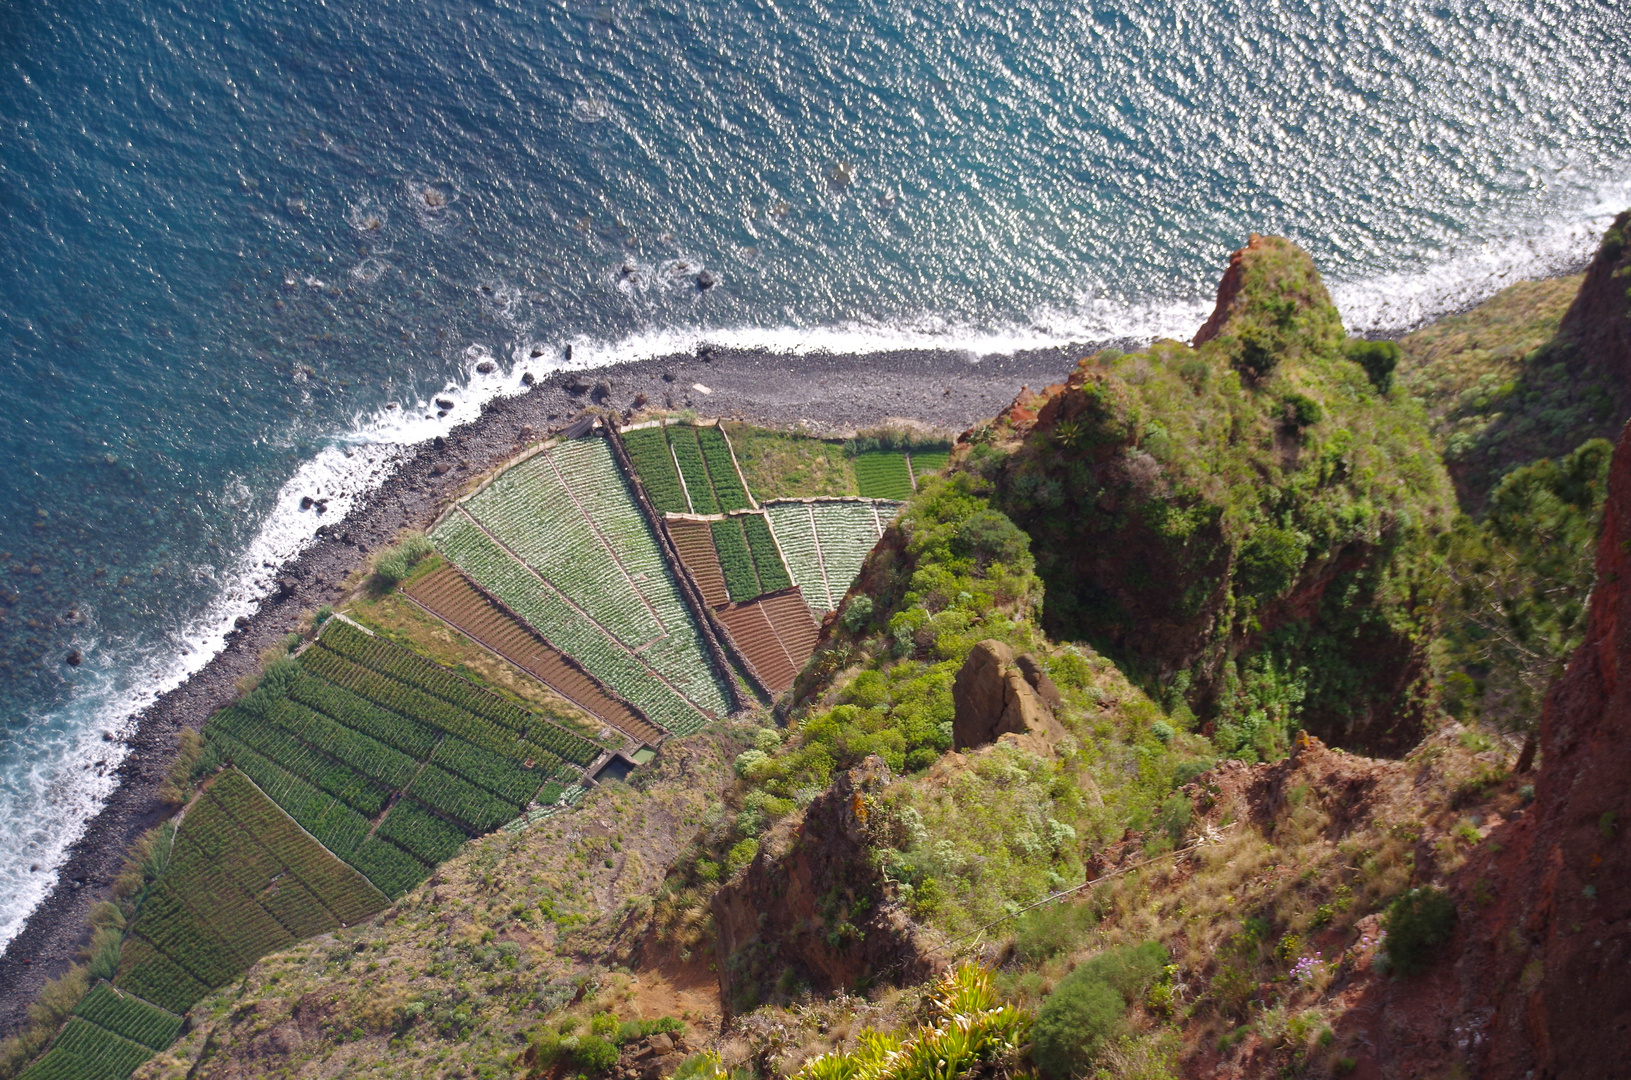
pixel 245 245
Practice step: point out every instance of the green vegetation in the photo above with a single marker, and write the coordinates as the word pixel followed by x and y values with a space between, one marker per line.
pixel 595 1050
pixel 129 1016
pixel 1087 1008
pixel 1416 924
pixel 1520 581
pixel 567 516
pixel 239 880
pixel 688 452
pixel 735 560
pixel 716 452
pixel 1489 380
pixel 648 450
pixel 882 474
pixel 785 465
pixel 1247 527
pixel 767 560
pixel 968 1029
pixel 398 562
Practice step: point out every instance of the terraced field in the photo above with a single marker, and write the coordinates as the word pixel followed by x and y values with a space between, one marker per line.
pixel 360 727
pixel 243 879
pixel 694 540
pixel 561 543
pixel 926 463
pixel 776 633
pixel 883 474
pixel 825 541
pixel 110 1034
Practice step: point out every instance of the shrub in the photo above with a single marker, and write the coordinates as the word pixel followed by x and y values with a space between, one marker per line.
pixel 1416 924
pixel 399 561
pixel 1085 1010
pixel 1051 930
pixel 1378 358
pixel 857 613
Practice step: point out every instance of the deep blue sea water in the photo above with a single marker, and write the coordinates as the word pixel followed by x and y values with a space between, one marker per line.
pixel 231 233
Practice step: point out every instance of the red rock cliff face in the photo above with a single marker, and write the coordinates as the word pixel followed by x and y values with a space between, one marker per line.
pixel 813 910
pixel 1547 966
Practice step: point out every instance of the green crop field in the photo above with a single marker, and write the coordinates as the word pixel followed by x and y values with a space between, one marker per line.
pixel 882 474
pixel 716 453
pixel 688 452
pixel 826 541
pixel 242 880
pixel 648 449
pixel 926 463
pixel 735 560
pixel 129 1016
pixel 85 1051
pixel 561 542
pixel 767 560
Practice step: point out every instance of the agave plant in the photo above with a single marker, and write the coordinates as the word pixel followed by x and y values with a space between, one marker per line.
pixel 970 1030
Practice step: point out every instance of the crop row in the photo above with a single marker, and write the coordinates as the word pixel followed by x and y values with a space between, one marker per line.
pixel 602 492
pixel 504 777
pixel 173 929
pixel 882 474
pixel 359 714
pixel 404 666
pixel 368 756
pixel 531 511
pixel 926 463
pixel 402 698
pixel 148 973
pixel 735 560
pixel 649 452
pixel 389 867
pixel 421 833
pixel 476 807
pixel 716 451
pixel 319 770
pixel 847 533
pixel 794 529
pixel 338 887
pixel 335 825
pixel 95 1052
pixel 767 560
pixel 129 1016
pixel 682 437
pixel 494 570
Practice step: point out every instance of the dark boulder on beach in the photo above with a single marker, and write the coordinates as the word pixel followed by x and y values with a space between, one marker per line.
pixel 74 658
pixel 486 367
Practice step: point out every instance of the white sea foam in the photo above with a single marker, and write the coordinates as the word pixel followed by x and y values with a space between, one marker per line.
pixel 49 805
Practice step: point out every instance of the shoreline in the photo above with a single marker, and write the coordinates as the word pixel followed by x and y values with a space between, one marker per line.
pixel 826 393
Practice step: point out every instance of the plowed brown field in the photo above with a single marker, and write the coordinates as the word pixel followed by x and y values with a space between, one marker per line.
pixel 776 634
pixel 695 543
pixel 450 596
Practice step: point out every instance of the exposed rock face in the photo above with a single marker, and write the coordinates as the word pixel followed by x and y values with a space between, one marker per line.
pixel 1234 278
pixel 812 909
pixel 1241 515
pixel 996 695
pixel 1598 323
pixel 1547 964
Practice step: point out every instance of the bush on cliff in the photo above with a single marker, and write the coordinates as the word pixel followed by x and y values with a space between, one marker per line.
pixel 1522 577
pixel 1086 1009
pixel 1247 526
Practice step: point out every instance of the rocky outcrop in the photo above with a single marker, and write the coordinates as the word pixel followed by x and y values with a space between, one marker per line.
pixel 1210 518
pixel 1598 324
pixel 1545 965
pixel 812 910
pixel 997 694
pixel 1229 288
